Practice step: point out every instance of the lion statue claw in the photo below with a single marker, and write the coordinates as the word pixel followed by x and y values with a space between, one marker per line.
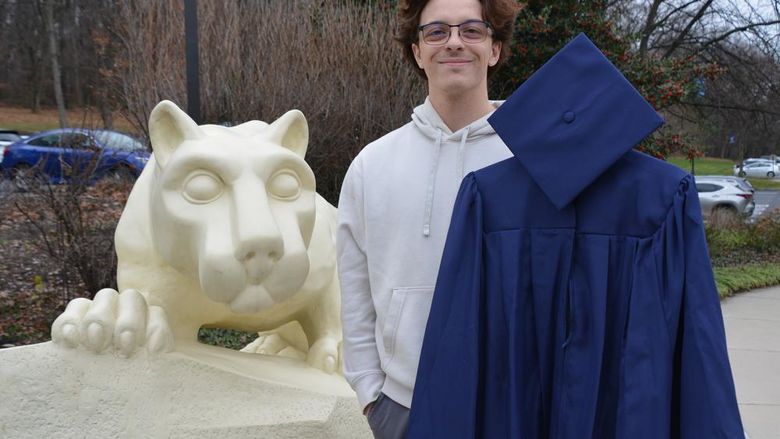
pixel 222 229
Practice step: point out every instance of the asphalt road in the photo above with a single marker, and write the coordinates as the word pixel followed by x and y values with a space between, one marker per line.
pixel 765 200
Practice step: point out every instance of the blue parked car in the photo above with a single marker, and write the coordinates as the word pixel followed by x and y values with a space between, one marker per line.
pixel 64 154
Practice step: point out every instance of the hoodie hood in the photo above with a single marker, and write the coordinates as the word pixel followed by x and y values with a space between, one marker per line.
pixel 428 121
pixel 430 124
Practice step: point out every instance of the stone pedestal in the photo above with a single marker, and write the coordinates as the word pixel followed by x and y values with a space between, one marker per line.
pixel 47 391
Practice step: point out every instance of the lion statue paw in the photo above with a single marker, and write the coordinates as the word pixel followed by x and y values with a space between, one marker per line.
pixel 122 322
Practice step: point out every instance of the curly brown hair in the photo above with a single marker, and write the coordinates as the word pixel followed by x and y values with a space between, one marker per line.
pixel 500 14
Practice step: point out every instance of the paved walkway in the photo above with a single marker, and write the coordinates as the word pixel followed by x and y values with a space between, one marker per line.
pixel 753 330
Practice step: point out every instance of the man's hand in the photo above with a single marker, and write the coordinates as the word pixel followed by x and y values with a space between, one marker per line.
pixel 368 408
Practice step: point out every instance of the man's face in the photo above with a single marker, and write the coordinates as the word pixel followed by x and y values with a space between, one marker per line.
pixel 456 66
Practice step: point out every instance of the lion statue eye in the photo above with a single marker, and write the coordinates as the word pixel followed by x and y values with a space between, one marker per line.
pixel 285 185
pixel 203 188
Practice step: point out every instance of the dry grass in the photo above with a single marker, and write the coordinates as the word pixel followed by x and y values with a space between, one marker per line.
pixel 24 120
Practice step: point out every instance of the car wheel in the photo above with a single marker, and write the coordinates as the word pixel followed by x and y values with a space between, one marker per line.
pixel 741 173
pixel 119 174
pixel 770 174
pixel 23 177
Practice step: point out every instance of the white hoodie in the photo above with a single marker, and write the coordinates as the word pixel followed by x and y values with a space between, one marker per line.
pixel 394 212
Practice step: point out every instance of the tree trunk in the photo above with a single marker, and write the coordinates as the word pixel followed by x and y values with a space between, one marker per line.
pixel 649 27
pixel 722 139
pixel 105 111
pixel 55 63
pixel 72 40
pixel 35 79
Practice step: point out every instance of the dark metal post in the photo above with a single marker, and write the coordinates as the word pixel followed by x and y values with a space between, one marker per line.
pixel 193 73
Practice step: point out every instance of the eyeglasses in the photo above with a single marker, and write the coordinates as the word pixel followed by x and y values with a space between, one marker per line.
pixel 471 32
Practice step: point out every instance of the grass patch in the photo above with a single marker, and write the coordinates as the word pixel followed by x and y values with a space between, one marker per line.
pixel 713 166
pixel 704 165
pixel 228 338
pixel 735 279
pixel 764 184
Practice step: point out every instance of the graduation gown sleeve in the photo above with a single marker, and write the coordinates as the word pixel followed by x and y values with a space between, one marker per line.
pixel 445 401
pixel 703 391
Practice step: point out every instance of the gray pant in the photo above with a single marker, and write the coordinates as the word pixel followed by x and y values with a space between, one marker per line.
pixel 388 419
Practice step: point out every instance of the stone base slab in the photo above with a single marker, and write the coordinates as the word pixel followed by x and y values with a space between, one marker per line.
pixel 47 391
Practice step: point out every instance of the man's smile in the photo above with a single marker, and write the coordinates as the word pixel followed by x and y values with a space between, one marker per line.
pixel 455 61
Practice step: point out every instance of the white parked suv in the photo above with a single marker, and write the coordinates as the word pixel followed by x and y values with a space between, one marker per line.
pixel 725 195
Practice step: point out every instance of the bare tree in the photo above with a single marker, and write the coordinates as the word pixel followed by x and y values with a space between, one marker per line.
pixel 150 63
pixel 684 27
pixel 336 61
pixel 74 223
pixel 731 115
pixel 52 35
pixel 23 46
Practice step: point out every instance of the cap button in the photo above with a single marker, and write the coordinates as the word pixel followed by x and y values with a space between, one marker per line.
pixel 568 117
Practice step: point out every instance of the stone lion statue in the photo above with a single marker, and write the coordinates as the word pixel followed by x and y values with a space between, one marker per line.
pixel 222 229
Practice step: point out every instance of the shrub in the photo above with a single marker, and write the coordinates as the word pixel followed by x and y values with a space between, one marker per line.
pixel 336 61
pixel 75 224
pixel 732 242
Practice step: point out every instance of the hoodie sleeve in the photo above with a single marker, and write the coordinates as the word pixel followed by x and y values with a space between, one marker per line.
pixel 361 361
pixel 447 387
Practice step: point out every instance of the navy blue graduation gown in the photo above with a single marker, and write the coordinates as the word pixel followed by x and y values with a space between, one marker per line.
pixel 575 307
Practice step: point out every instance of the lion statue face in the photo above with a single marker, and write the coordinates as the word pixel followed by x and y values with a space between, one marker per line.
pixel 240 227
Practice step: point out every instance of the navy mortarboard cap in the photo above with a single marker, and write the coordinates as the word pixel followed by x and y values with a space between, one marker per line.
pixel 572 119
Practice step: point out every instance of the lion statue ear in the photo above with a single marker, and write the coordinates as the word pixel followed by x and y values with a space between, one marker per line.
pixel 169 126
pixel 290 131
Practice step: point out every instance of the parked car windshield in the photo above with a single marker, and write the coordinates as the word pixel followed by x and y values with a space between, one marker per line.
pixel 115 140
pixel 62 140
pixel 49 140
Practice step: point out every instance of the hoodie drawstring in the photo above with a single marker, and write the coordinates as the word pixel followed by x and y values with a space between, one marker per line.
pixel 461 154
pixel 432 176
pixel 431 184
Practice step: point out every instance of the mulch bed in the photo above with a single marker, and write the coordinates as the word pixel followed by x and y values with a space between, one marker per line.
pixel 33 289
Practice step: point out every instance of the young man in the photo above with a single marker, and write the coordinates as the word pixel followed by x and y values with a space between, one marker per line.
pixel 397 198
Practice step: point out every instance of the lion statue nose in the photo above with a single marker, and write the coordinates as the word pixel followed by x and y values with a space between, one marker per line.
pixel 272 255
pixel 259 256
pixel 264 243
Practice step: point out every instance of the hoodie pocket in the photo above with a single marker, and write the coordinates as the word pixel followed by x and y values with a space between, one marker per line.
pixel 405 328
